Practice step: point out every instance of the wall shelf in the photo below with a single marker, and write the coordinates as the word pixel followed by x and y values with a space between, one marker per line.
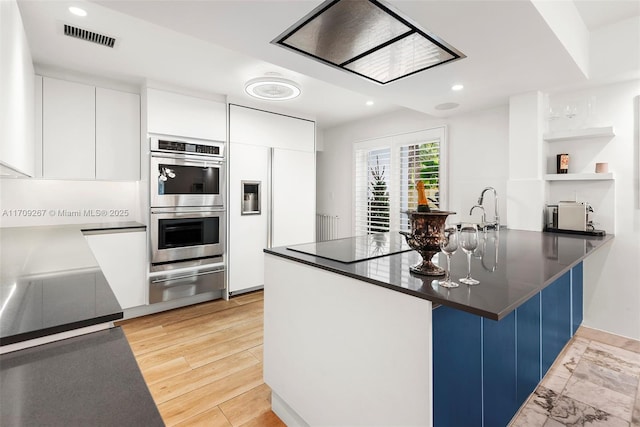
pixel 579 177
pixel 576 134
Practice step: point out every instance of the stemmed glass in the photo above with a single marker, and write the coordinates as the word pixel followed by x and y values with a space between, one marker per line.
pixel 449 245
pixel 469 242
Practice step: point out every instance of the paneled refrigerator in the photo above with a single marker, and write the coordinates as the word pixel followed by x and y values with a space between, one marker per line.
pixel 272 190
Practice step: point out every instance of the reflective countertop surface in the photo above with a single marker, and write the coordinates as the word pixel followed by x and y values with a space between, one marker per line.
pixel 354 249
pixel 50 281
pixel 511 265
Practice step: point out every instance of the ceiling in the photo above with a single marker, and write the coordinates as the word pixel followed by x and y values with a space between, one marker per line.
pixel 215 46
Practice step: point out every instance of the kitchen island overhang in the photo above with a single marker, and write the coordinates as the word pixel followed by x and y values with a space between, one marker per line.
pixel 343 314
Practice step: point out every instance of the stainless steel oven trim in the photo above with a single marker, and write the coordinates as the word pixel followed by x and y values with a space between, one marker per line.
pixel 189 252
pixel 155 138
pixel 168 277
pixel 186 200
pixel 161 285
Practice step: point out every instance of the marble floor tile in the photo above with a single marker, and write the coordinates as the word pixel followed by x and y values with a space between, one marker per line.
pixel 529 417
pixel 614 358
pixel 542 400
pixel 570 412
pixel 622 382
pixel 597 396
pixel 594 382
pixel 606 338
pixel 553 423
pixel 568 360
pixel 556 379
pixel 635 418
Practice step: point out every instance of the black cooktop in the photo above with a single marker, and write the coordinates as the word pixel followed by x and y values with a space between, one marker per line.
pixel 354 249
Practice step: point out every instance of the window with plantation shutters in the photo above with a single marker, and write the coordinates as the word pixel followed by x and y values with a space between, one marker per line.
pixel 419 162
pixel 373 172
pixel 387 171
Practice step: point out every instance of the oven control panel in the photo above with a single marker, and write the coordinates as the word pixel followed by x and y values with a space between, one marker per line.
pixel 185 147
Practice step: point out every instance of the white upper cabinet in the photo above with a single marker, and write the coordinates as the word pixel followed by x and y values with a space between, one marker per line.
pixel 256 127
pixel 89 132
pixel 68 130
pixel 117 135
pixel 176 114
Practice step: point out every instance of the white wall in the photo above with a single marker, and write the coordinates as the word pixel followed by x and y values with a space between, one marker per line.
pixel 47 199
pixel 477 144
pixel 16 93
pixel 612 276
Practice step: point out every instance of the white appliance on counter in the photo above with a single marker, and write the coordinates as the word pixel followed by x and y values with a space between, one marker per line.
pixel 271 190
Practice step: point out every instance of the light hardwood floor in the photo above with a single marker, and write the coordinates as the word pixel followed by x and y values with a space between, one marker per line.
pixel 203 363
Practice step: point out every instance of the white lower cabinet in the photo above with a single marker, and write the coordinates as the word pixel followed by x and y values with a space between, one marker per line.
pixel 121 257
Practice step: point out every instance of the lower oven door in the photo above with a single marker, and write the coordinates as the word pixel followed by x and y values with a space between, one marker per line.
pixel 179 234
pixel 172 285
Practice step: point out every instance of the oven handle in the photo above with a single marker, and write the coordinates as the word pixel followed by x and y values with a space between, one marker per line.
pixel 204 273
pixel 190 160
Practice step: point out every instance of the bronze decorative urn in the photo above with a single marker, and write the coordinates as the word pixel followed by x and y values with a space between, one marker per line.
pixel 425 237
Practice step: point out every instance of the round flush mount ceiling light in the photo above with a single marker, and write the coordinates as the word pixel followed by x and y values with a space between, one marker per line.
pixel 272 88
pixel 457 87
pixel 447 106
pixel 77 11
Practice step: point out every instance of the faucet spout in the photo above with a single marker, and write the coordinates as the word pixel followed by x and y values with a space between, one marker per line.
pixel 484 217
pixel 496 215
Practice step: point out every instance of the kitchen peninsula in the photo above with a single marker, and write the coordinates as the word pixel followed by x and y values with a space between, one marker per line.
pixel 367 342
pixel 63 362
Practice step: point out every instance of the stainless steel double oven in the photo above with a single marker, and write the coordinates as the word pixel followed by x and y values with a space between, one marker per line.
pixel 187 218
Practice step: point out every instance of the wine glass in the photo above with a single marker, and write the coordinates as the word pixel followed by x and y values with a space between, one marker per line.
pixel 468 243
pixel 449 245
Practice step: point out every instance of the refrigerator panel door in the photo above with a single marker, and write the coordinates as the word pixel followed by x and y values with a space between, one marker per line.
pixel 247 233
pixel 294 197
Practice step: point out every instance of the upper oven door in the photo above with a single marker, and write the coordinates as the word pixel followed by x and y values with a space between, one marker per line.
pixel 184 180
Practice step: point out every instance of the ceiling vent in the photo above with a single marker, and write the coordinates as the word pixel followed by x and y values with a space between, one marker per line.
pixel 369 38
pixel 89 36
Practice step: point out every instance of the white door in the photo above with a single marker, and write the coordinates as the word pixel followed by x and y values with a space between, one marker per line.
pixel 247 233
pixel 294 197
pixel 68 130
pixel 117 135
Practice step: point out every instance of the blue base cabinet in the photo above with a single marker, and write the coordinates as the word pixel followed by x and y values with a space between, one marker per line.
pixel 484 370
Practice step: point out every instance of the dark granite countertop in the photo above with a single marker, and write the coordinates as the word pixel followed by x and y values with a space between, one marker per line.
pixel 50 281
pixel 515 265
pixel 89 380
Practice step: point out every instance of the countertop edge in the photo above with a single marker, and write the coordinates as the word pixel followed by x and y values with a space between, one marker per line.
pixel 26 336
pixel 499 315
pixel 483 313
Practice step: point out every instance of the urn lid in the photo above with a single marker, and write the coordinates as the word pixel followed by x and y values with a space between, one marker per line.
pixel 433 212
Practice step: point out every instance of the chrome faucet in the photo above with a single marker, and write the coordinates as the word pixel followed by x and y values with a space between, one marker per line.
pixel 496 218
pixel 484 216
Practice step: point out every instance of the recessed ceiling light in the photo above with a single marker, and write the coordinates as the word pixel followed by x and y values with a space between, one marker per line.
pixel 369 103
pixel 77 11
pixel 447 106
pixel 367 37
pixel 457 87
pixel 272 88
